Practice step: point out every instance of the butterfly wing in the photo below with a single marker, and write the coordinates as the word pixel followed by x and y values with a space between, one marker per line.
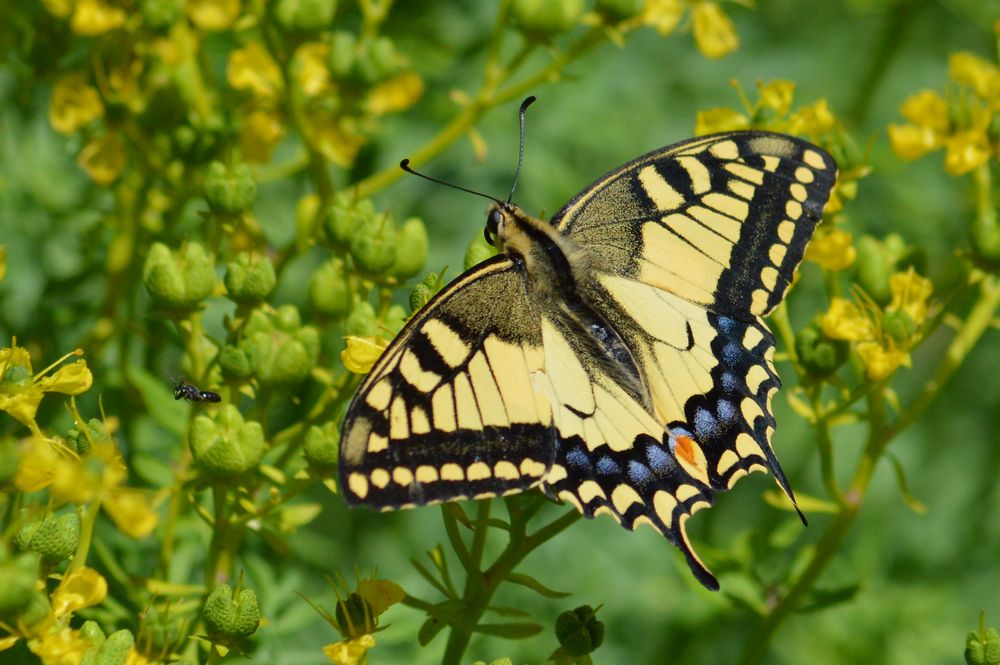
pixel 449 410
pixel 720 220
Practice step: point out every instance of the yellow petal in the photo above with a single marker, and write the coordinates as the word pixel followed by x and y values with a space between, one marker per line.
pixel 131 511
pixel 312 73
pixel 912 142
pixel 81 588
pixel 74 104
pixel 713 31
pixel 981 75
pixel 252 68
pixel 93 17
pixel 719 120
pixel 926 109
pixel 72 379
pixel 881 362
pixel 777 95
pixel 813 120
pixel 349 652
pixel 262 131
pixel 103 158
pixel 361 353
pixel 64 647
pixel 396 94
pixel 910 293
pixel 966 151
pixel 832 250
pixel 663 15
pixel 212 14
pixel 845 320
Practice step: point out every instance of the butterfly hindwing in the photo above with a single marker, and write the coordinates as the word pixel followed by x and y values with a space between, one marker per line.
pixel 449 410
pixel 721 220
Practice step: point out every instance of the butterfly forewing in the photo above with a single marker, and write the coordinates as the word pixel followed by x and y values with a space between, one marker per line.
pixel 449 411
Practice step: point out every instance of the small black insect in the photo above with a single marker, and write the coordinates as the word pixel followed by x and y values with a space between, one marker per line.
pixel 191 393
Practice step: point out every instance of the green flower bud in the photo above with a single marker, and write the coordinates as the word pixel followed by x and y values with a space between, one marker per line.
pixel 384 58
pixel 820 355
pixel 230 617
pixel 546 18
pixel 343 49
pixel 411 248
pixel 54 537
pixel 226 444
pixel 329 292
pixel 250 279
pixel 274 347
pixel 873 268
pixel 394 319
pixel 420 296
pixel 361 322
pixel 79 439
pixel 579 632
pixel 305 15
pixel 164 632
pixel 160 15
pixel 115 649
pixel 179 279
pixel 373 245
pixel 614 11
pixel 898 325
pixel 235 362
pixel 355 616
pixel 229 190
pixel 91 631
pixel 321 445
pixel 984 648
pixel 19 575
pixel 479 250
pixel 346 217
pixel 985 233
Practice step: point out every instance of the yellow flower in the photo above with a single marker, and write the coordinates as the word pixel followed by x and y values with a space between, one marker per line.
pixel 845 320
pixel 93 17
pixel 212 15
pixel 980 75
pixel 966 151
pixel 911 142
pixel 813 120
pixel 713 31
pixel 663 15
pixel 349 652
pixel 719 120
pixel 131 511
pixel 74 104
pixel 927 109
pixel 396 94
pixel 20 392
pixel 61 647
pixel 261 132
pixel 311 71
pixel 252 68
pixel 362 352
pixel 910 293
pixel 81 588
pixel 58 8
pixel 881 361
pixel 777 95
pixel 832 250
pixel 103 158
pixel 336 137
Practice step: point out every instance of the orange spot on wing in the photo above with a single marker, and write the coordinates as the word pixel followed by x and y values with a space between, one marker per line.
pixel 684 448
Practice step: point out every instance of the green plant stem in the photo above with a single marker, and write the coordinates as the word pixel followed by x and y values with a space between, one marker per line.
pixel 481 585
pixel 976 323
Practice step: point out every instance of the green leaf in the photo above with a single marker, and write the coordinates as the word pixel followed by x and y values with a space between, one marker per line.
pixel 505 611
pixel 820 599
pixel 807 503
pixel 536 586
pixel 510 631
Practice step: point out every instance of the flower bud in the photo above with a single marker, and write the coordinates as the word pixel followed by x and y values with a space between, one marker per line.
pixel 53 537
pixel 546 18
pixel 983 648
pixel 164 632
pixel 343 50
pixel 373 245
pixel 898 325
pixel 361 322
pixel 329 292
pixel 160 15
pixel 179 279
pixel 384 59
pixel 250 279
pixel 579 632
pixel 346 217
pixel 420 296
pixel 355 616
pixel 274 347
pixel 411 248
pixel 321 445
pixel 91 631
pixel 226 444
pixel 820 355
pixel 115 649
pixel 229 190
pixel 479 250
pixel 79 439
pixel 305 15
pixel 230 616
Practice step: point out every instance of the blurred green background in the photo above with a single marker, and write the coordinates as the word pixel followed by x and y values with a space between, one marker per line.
pixel 921 579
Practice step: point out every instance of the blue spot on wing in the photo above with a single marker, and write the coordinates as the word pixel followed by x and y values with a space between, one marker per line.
pixel 705 424
pixel 578 459
pixel 608 467
pixel 659 460
pixel 638 473
pixel 727 411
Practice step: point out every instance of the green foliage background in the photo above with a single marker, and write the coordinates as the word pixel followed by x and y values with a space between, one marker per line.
pixel 904 587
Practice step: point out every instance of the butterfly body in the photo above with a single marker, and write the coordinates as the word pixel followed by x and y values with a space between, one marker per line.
pixel 614 355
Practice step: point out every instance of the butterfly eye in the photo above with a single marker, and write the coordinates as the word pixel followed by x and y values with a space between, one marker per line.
pixel 492 226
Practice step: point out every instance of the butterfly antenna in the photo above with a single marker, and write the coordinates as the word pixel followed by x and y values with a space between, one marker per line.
pixel 405 165
pixel 520 149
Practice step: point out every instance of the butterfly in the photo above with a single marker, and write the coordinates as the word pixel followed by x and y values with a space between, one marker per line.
pixel 614 356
